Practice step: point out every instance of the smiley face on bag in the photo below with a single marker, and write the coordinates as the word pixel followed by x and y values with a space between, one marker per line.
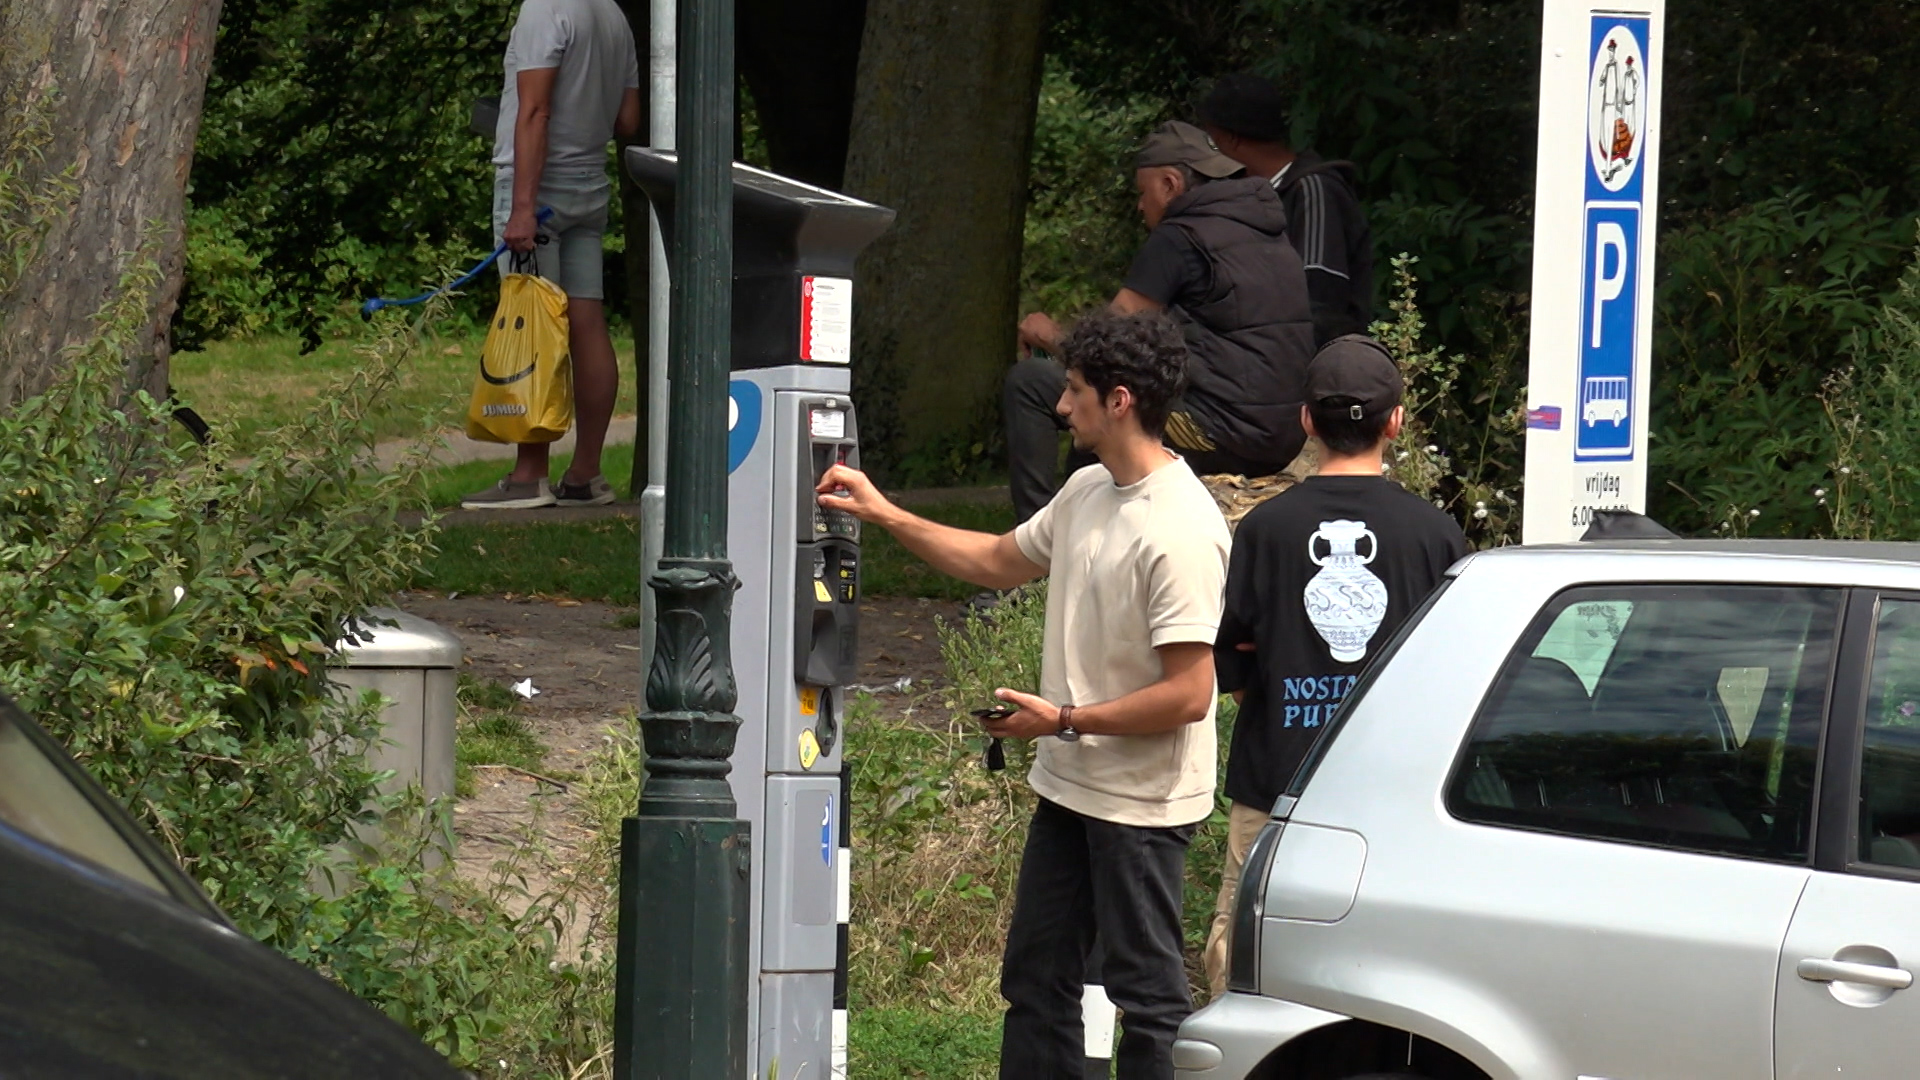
pixel 530 326
pixel 510 349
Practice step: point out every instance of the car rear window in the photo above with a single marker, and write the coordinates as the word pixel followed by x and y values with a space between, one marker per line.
pixel 39 799
pixel 1684 716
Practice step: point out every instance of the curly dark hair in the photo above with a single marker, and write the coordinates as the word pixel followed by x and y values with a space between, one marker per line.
pixel 1146 353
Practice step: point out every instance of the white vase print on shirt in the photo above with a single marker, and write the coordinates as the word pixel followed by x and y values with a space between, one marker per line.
pixel 1346 602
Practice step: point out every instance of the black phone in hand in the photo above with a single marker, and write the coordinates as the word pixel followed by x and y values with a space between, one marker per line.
pixel 996 753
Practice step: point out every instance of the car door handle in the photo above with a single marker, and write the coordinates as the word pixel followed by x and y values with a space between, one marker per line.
pixel 1815 969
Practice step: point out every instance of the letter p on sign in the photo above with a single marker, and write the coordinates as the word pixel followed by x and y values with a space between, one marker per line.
pixel 1609 250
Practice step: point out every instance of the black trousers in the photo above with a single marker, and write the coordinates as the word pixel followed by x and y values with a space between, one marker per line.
pixel 1078 876
pixel 1027 403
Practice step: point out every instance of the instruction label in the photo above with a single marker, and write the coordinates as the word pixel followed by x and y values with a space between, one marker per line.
pixel 826 319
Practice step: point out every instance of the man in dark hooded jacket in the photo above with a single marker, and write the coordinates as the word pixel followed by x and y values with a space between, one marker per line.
pixel 1218 260
pixel 1246 116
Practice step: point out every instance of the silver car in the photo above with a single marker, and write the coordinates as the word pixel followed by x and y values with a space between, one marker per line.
pixel 1636 811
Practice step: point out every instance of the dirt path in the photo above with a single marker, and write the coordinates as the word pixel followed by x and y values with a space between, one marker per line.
pixel 586 667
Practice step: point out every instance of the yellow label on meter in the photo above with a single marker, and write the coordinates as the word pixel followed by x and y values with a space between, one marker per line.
pixel 821 592
pixel 809 701
pixel 809 749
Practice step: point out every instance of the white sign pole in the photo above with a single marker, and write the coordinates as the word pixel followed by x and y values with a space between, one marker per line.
pixel 662 116
pixel 1595 204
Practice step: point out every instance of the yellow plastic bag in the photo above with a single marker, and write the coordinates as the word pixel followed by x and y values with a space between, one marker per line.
pixel 524 390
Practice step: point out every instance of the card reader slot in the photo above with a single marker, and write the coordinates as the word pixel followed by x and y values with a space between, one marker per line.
pixel 827 613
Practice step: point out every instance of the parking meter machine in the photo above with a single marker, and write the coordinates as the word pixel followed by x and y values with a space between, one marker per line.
pixel 796 618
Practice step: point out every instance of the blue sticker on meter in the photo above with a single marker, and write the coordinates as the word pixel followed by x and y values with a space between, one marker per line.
pixel 826 833
pixel 743 421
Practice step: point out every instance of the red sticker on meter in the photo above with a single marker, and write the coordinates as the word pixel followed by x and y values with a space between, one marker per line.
pixel 826 319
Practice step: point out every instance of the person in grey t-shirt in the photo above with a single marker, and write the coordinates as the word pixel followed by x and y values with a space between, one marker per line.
pixel 572 85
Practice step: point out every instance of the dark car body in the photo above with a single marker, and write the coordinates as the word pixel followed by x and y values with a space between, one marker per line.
pixel 114 964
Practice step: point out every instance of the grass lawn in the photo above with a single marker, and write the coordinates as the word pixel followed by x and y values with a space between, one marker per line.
pixel 586 560
pixel 890 570
pixel 600 560
pixel 243 387
pixel 490 732
pixel 915 1044
pixel 449 483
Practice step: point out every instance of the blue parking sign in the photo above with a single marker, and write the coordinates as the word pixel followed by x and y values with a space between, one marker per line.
pixel 1609 327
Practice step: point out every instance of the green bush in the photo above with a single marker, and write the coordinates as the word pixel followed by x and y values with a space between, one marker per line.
pixel 334 160
pixel 1872 411
pixel 1081 225
pixel 169 614
pixel 1754 312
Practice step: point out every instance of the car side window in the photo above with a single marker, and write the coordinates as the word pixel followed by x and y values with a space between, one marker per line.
pixel 1889 829
pixel 1684 716
pixel 39 799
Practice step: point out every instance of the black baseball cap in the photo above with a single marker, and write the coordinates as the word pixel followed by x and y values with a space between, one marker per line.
pixel 1179 143
pixel 1248 105
pixel 1356 371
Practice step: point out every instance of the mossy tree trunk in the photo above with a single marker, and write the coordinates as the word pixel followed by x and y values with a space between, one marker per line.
pixel 117 87
pixel 942 128
pixel 799 59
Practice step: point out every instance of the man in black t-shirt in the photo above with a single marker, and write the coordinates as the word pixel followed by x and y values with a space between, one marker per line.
pixel 1219 262
pixel 1321 576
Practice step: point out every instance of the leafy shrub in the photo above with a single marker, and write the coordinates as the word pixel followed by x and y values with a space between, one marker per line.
pixel 1873 419
pixel 1460 447
pixel 334 159
pixel 936 841
pixel 169 614
pixel 1754 312
pixel 225 292
pixel 1081 226
pixel 984 653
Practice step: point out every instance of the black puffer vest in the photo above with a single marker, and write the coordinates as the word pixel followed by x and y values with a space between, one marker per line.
pixel 1251 336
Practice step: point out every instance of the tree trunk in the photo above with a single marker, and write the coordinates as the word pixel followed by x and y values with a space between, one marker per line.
pixel 126 79
pixel 942 130
pixel 799 59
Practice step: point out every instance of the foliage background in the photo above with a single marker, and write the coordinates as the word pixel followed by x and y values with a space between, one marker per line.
pixel 334 159
pixel 334 162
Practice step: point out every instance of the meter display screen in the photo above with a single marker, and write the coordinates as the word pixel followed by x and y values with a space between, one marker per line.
pixel 827 423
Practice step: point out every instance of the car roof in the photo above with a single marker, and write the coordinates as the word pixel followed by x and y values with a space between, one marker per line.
pixel 1885 564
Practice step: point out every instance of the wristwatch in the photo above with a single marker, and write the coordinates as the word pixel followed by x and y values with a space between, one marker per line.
pixel 1066 732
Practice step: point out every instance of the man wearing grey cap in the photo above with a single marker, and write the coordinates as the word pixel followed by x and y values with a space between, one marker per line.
pixel 1219 261
pixel 1320 577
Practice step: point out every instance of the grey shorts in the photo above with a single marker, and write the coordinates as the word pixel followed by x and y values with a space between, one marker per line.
pixel 569 253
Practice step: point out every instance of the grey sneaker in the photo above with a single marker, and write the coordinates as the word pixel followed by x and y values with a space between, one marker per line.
pixel 595 492
pixel 507 495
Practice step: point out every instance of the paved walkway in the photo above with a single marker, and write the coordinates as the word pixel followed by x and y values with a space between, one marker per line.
pixel 912 497
pixel 456 449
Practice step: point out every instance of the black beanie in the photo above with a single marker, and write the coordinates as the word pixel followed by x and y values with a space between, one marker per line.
pixel 1249 106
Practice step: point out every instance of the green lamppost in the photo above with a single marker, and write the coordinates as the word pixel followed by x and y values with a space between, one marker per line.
pixel 681 989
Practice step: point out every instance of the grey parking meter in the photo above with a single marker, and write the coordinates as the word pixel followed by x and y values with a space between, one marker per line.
pixel 796 618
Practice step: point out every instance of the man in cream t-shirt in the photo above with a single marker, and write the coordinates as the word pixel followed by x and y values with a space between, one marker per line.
pixel 1136 556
